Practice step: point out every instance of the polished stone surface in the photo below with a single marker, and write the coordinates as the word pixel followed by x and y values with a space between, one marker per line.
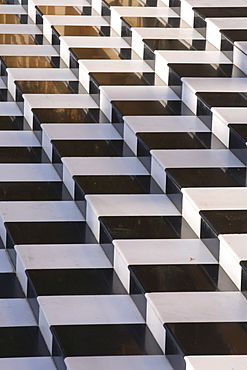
pixel 142 227
pixel 17 39
pixel 114 185
pixel 76 30
pixel 123 2
pixel 223 99
pixel 88 148
pixel 202 70
pixel 144 108
pixel 22 155
pixel 9 19
pixel 221 12
pixel 24 61
pixel 96 340
pixel 94 53
pixel 23 341
pixel 73 281
pixel 173 44
pixel 10 287
pixel 10 123
pixel 43 87
pixel 235 35
pixel 225 221
pixel 173 140
pixel 206 177
pixel 58 10
pixel 117 78
pixel 209 338
pixel 177 278
pixel 240 131
pixel 60 115
pixel 144 22
pixel 47 233
pixel 29 191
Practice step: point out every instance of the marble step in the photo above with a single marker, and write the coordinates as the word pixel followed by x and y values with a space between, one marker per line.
pixel 149 142
pixel 104 7
pixel 215 339
pixel 178 71
pixel 30 74
pixel 192 87
pixel 130 23
pixel 65 20
pixel 112 184
pixel 223 117
pixel 138 124
pixel 47 108
pixel 223 305
pixel 175 278
pixel 76 131
pixel 119 101
pixel 145 227
pixel 164 58
pixel 214 211
pixel 228 39
pixel 182 33
pixel 76 54
pixel 86 166
pixel 54 10
pixel 73 49
pixel 33 6
pixel 213 8
pixel 136 16
pixel 58 31
pixel 195 160
pixel 207 100
pixel 180 178
pixel 217 25
pixel 129 205
pixel 88 67
pixel 46 232
pixel 201 14
pixel 153 46
pixel 44 87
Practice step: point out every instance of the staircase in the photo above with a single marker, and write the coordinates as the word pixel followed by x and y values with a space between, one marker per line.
pixel 123 199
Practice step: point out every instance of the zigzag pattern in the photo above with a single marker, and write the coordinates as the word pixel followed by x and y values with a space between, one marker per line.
pixel 123 200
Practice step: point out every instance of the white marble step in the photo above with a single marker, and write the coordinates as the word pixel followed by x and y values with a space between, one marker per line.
pixel 182 33
pixel 89 66
pixel 34 74
pixel 197 158
pixel 193 85
pixel 157 251
pixel 187 6
pixel 67 42
pixel 76 132
pixel 66 20
pixel 109 93
pixel 136 124
pixel 198 199
pixel 55 101
pixel 193 307
pixel 106 166
pixel 128 205
pixel 222 117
